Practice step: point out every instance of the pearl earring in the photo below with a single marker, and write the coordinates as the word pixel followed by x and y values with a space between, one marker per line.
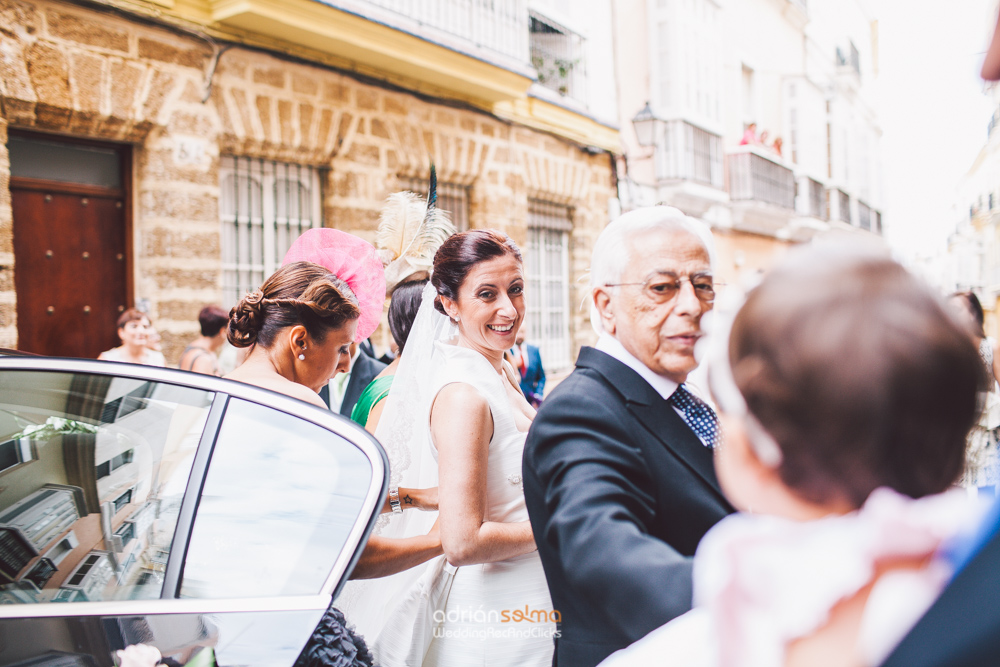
pixel 302 357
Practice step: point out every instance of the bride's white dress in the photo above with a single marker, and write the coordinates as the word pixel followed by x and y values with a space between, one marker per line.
pixel 497 614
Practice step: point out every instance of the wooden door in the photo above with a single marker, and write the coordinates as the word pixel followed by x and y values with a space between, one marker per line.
pixel 70 266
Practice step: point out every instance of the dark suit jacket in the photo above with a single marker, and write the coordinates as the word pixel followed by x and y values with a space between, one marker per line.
pixel 533 382
pixel 962 628
pixel 364 371
pixel 619 491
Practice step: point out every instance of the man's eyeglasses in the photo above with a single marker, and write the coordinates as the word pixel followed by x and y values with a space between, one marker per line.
pixel 662 290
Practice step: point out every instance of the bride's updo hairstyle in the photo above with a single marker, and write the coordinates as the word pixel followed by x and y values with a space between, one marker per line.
pixel 297 293
pixel 456 257
pixel 859 373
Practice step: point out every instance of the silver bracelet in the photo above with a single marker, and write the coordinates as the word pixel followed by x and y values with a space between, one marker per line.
pixel 394 500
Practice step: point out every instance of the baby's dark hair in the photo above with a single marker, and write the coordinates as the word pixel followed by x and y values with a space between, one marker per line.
pixel 859 373
pixel 297 293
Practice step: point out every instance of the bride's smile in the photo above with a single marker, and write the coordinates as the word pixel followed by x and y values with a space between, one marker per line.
pixel 490 307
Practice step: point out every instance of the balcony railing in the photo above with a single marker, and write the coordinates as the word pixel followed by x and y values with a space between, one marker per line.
pixel 843 206
pixel 812 201
pixel 691 154
pixel 557 56
pixel 500 26
pixel 754 177
pixel 864 216
pixel 877 222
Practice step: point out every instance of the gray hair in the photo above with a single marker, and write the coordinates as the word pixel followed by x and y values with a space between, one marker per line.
pixel 612 253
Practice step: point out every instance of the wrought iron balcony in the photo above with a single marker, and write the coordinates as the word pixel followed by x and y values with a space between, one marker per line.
pixel 499 26
pixel 864 216
pixel 811 196
pixel 690 154
pixel 754 176
pixel 843 205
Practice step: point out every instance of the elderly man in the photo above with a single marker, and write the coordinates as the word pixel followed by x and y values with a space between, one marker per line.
pixel 617 469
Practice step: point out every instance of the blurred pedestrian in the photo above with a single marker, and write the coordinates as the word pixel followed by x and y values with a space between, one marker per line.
pixel 527 360
pixel 749 135
pixel 133 330
pixel 982 454
pixel 201 355
pixel 842 459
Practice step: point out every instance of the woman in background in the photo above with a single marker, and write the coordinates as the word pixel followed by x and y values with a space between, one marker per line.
pixel 982 453
pixel 133 330
pixel 402 311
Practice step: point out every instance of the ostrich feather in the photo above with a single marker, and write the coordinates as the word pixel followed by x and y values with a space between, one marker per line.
pixel 409 233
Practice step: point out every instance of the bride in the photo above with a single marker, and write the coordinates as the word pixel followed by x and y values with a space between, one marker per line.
pixel 456 418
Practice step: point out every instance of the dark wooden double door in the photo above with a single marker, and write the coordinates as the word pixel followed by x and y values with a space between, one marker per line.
pixel 71 261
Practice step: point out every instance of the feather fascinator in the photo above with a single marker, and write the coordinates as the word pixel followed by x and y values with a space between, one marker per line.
pixel 409 233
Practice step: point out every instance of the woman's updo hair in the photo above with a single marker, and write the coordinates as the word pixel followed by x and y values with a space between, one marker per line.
pixel 860 375
pixel 456 257
pixel 297 293
pixel 403 309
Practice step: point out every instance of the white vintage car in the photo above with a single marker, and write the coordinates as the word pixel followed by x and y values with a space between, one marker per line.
pixel 178 510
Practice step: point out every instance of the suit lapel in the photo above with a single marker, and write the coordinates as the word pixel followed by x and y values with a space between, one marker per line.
pixel 666 425
pixel 655 414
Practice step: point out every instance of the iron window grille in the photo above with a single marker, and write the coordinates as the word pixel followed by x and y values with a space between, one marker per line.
pixel 264 205
pixel 547 282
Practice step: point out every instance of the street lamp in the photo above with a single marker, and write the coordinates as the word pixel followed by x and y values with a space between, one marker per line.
pixel 644 125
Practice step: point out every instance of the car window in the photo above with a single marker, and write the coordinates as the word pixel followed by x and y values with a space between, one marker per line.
pixel 280 498
pixel 92 472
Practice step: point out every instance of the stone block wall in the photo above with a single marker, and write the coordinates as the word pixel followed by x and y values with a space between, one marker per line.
pixel 73 70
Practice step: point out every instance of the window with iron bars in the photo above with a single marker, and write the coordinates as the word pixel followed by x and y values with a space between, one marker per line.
pixel 452 198
pixel 547 282
pixel 264 206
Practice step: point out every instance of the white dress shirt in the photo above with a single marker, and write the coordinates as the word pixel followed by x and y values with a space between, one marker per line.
pixel 664 386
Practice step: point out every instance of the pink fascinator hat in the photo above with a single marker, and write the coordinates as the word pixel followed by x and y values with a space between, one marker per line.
pixel 351 259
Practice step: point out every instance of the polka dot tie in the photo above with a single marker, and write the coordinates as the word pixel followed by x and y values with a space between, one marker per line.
pixel 698 415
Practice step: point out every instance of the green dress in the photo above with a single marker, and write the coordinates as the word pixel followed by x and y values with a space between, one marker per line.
pixel 376 390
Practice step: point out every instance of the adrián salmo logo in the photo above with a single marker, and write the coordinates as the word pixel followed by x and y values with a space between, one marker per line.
pixel 526 615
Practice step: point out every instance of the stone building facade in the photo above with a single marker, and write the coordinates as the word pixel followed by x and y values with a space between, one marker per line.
pixel 181 105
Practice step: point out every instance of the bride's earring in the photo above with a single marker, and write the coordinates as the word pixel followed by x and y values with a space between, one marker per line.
pixel 302 357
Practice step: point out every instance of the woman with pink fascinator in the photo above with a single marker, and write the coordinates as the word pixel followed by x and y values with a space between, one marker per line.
pixel 299 327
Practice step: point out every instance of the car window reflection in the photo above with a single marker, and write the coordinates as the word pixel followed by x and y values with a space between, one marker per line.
pixel 92 472
pixel 280 499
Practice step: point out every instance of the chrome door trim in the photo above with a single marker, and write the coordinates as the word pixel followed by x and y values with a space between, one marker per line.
pixel 347 429
pixel 189 504
pixel 158 606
